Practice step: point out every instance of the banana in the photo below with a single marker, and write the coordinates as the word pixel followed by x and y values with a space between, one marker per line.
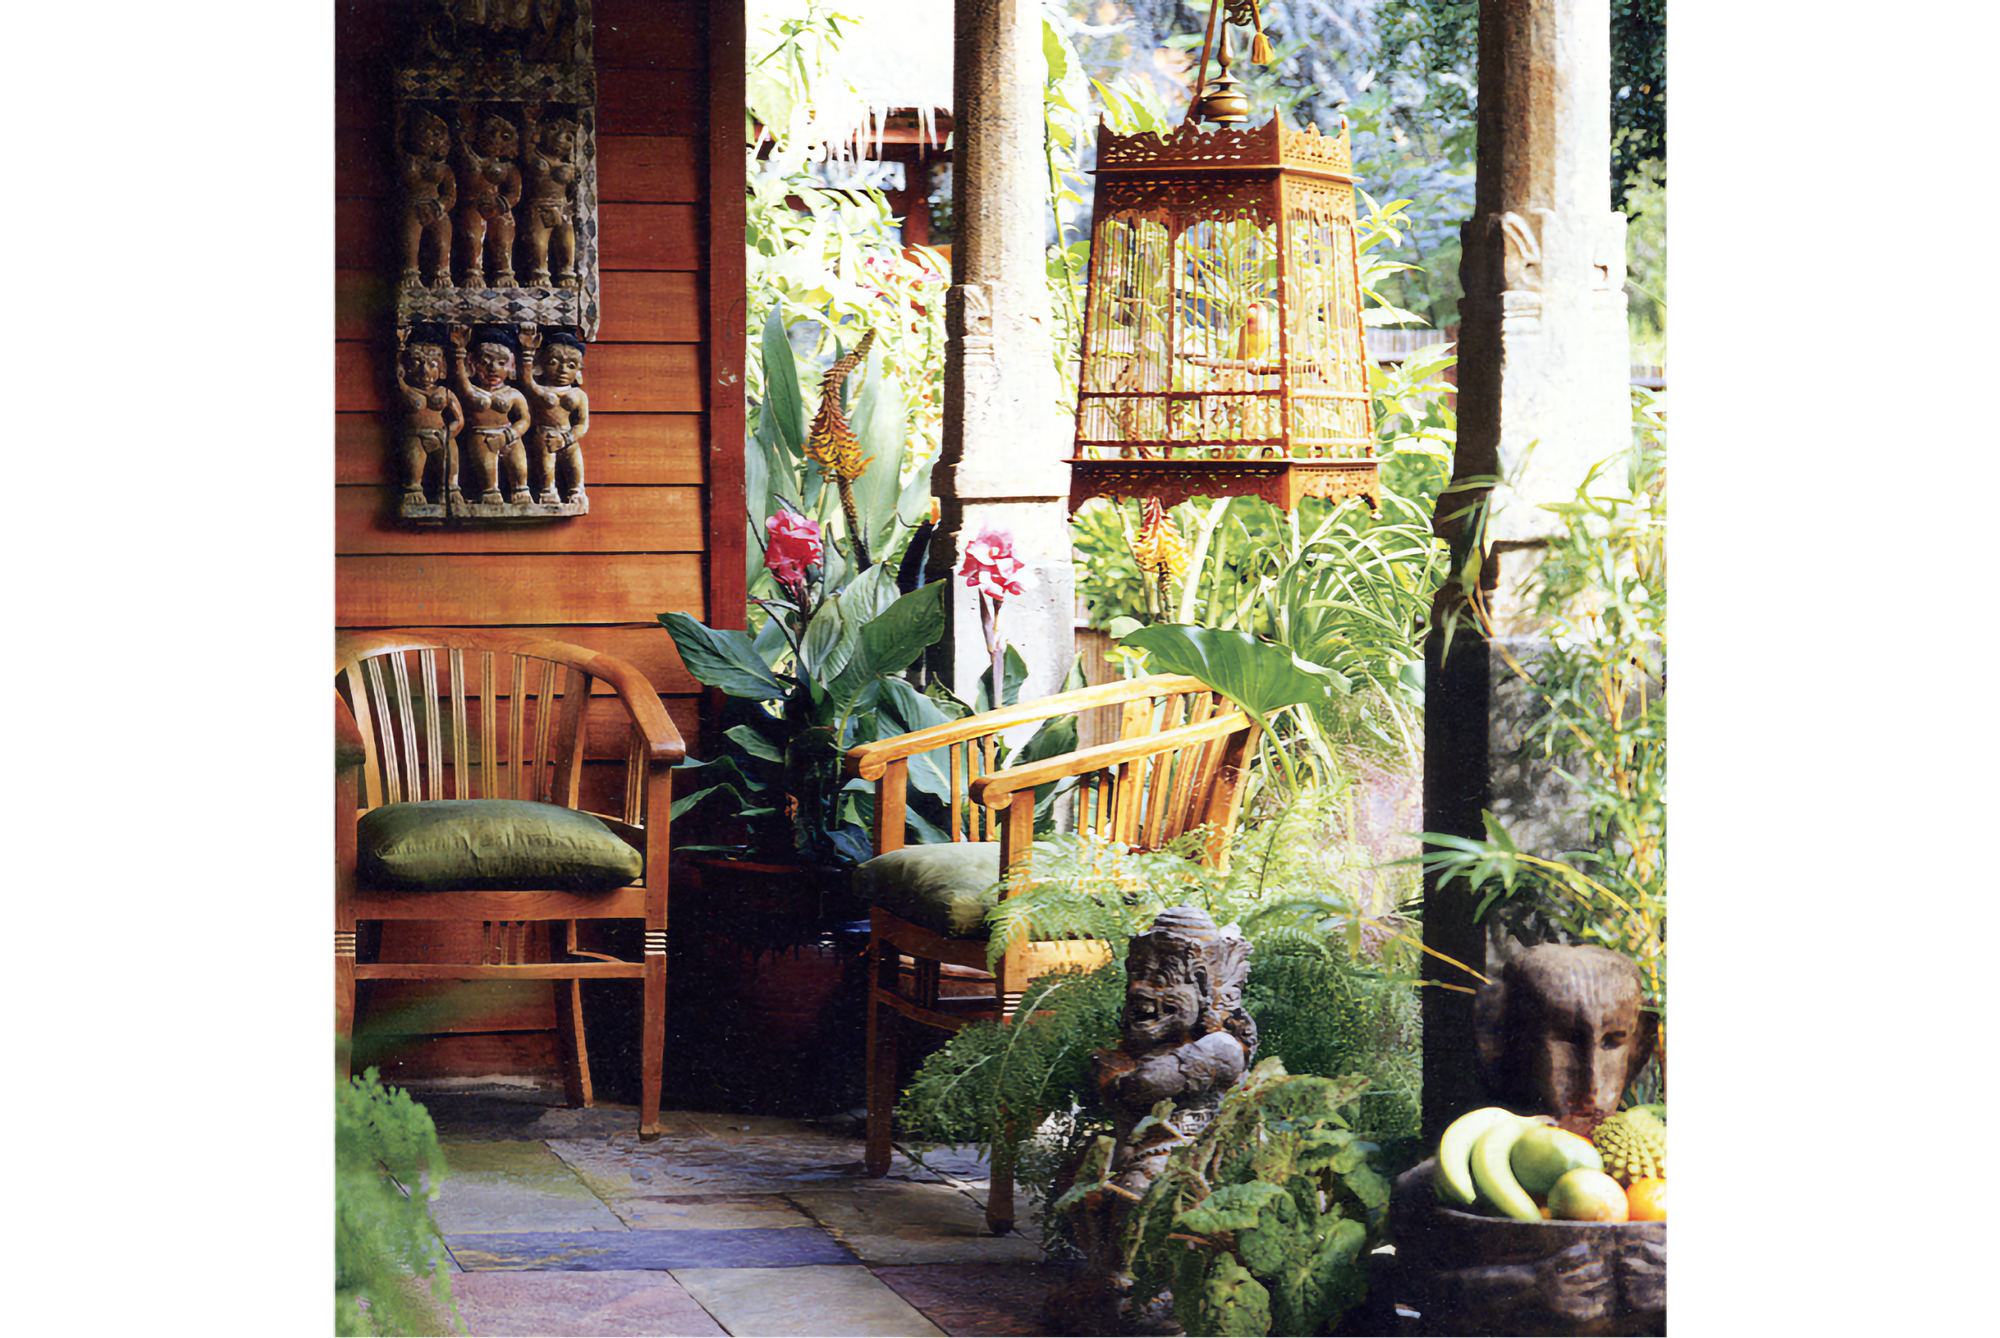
pixel 1453 1176
pixel 1493 1171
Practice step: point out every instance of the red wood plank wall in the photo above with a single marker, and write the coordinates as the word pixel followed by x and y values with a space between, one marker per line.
pixel 666 426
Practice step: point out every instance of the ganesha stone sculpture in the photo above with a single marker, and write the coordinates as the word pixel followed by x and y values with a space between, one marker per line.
pixel 1185 1037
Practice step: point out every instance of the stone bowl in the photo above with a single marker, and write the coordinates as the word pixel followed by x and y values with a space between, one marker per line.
pixel 1464 1273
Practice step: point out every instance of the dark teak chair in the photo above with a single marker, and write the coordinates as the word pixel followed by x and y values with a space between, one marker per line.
pixel 459 767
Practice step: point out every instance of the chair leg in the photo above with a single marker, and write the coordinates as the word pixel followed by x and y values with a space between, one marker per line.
pixel 343 1004
pixel 653 1032
pixel 882 1053
pixel 571 1041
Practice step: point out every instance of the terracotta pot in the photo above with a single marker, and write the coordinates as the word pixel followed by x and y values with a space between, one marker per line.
pixel 1469 1274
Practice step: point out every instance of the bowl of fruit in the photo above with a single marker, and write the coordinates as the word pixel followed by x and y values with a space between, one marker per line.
pixel 1520 1226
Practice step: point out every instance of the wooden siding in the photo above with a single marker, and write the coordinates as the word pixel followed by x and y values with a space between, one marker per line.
pixel 665 441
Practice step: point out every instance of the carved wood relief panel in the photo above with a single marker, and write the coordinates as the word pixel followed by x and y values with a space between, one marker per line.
pixel 495 144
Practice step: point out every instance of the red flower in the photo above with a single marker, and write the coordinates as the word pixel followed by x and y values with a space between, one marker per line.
pixel 793 546
pixel 990 564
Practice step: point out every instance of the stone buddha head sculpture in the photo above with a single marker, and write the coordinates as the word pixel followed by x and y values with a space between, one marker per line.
pixel 1560 1030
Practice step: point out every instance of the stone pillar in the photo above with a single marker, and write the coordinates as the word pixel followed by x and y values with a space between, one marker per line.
pixel 1543 394
pixel 1005 438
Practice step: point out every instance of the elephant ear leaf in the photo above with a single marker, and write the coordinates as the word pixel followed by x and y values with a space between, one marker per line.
pixel 725 659
pixel 1258 675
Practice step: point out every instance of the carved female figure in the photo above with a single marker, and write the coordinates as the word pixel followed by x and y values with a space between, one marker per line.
pixel 431 415
pixel 496 414
pixel 429 191
pixel 552 177
pixel 492 189
pixel 559 408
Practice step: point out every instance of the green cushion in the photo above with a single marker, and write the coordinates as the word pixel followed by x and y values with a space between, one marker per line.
pixel 946 888
pixel 490 845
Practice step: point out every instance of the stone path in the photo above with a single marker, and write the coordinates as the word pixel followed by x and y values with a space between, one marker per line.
pixel 562 1222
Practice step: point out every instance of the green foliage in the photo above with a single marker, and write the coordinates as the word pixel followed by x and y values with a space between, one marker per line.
pixel 1646 261
pixel 967 1092
pixel 789 725
pixel 1262 1223
pixel 1638 93
pixel 389 1264
pixel 1603 719
pixel 1331 988
pixel 825 263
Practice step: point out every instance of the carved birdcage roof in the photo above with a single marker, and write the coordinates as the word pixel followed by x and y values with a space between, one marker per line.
pixel 1270 147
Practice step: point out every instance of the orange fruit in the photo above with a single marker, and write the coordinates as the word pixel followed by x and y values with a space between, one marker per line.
pixel 1647 1199
pixel 1584 1195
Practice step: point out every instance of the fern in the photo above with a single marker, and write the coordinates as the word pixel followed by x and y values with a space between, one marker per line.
pixel 389 1272
pixel 1087 887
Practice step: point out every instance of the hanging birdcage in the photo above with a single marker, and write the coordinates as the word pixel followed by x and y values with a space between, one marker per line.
pixel 1223 351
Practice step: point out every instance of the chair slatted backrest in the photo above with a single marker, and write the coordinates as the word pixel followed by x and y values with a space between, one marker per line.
pixel 510 725
pixel 1144 803
pixel 1151 800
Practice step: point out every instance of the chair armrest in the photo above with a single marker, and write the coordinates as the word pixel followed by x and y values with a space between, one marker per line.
pixel 867 761
pixel 634 689
pixel 998 789
pixel 348 749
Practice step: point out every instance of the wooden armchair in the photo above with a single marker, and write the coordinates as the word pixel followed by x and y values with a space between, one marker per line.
pixel 459 768
pixel 1178 762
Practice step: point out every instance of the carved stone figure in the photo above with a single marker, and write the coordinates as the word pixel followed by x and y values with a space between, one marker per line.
pixel 1185 1037
pixel 552 377
pixel 491 180
pixel 431 417
pixel 550 211
pixel 429 191
pixel 496 414
pixel 1560 1031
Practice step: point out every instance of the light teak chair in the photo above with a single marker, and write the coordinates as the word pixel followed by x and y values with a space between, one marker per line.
pixel 459 767
pixel 1178 762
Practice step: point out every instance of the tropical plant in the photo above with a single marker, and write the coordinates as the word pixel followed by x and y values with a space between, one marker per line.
pixel 824 249
pixel 1332 988
pixel 390 1271
pixel 1601 687
pixel 1262 1222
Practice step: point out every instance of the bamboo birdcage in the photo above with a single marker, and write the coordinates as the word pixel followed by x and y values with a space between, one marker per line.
pixel 1223 349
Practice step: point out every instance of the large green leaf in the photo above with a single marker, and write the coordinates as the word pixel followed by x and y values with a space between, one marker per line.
pixel 879 422
pixel 1258 675
pixel 782 405
pixel 892 640
pixel 725 658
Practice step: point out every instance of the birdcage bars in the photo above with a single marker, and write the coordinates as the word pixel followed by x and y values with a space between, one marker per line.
pixel 1223 349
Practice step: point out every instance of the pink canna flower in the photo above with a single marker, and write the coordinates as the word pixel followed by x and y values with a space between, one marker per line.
pixel 793 545
pixel 990 565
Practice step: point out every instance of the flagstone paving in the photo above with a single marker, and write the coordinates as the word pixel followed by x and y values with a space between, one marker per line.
pixel 561 1222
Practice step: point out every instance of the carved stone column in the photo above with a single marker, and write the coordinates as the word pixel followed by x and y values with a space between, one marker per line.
pixel 1543 394
pixel 1005 437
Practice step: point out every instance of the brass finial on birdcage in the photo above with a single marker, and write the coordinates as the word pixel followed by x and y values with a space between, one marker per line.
pixel 1221 100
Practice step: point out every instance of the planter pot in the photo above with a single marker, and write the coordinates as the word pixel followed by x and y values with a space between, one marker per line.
pixel 762 906
pixel 769 987
pixel 1468 1274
